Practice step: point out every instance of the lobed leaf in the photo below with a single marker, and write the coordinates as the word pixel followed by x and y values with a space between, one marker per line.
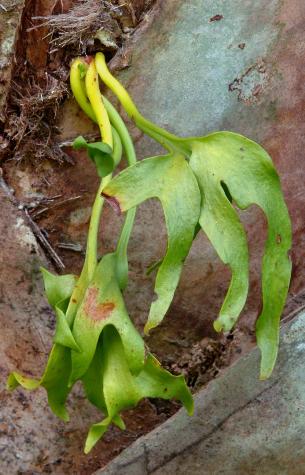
pixel 123 390
pixel 169 179
pixel 221 223
pixel 250 177
pixel 54 380
pixel 56 375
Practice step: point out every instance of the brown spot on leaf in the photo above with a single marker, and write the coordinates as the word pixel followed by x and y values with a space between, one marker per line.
pixel 95 310
pixel 278 239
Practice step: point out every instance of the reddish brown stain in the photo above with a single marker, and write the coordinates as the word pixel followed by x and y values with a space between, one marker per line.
pixel 94 310
pixel 216 18
pixel 113 201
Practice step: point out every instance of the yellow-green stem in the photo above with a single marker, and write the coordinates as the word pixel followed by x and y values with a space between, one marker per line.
pixel 166 139
pixel 91 253
pixel 78 86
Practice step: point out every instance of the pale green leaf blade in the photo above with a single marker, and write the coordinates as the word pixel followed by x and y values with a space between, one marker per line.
pixel 248 172
pixel 221 224
pixel 120 389
pixel 121 250
pixel 155 382
pixel 54 380
pixel 118 421
pixel 97 431
pixel 103 305
pixel 93 384
pixel 170 179
pixel 100 147
pixel 79 142
pixel 63 335
pixel 57 372
pixel 105 158
pixel 123 390
pixel 57 287
pixel 93 380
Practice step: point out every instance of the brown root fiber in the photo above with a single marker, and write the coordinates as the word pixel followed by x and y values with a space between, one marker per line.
pixel 31 116
pixel 78 26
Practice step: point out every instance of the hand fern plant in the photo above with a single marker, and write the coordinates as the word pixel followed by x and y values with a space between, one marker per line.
pixel 200 182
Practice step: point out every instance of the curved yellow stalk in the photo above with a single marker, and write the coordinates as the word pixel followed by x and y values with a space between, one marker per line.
pixel 78 86
pixel 166 139
pixel 95 98
pixel 116 86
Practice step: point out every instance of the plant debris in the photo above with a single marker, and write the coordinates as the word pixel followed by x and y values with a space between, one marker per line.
pixel 84 22
pixel 32 112
pixel 51 34
pixel 201 363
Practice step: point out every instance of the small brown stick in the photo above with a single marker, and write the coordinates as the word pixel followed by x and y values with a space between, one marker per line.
pixel 88 137
pixel 292 314
pixel 55 205
pixel 46 246
pixel 44 242
pixel 71 246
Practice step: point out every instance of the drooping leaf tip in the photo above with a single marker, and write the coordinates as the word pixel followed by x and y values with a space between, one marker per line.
pixel 62 414
pixel 191 408
pixel 265 372
pixel 263 377
pixel 218 326
pixel 147 328
pixel 11 382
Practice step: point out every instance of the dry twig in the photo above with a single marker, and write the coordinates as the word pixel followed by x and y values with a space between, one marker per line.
pixel 41 238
